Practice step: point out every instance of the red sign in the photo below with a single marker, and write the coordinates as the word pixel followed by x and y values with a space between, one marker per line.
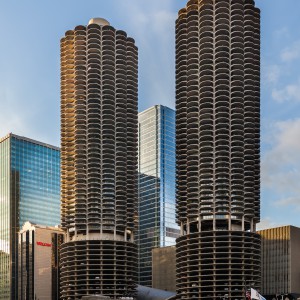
pixel 43 244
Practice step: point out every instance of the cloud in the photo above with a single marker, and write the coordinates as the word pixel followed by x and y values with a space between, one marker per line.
pixel 290 92
pixel 271 74
pixel 291 201
pixel 282 33
pixel 286 144
pixel 281 164
pixel 267 223
pixel 289 54
pixel 152 24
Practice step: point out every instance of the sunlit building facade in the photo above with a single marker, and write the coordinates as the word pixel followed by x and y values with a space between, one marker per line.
pixel 218 148
pixel 38 263
pixel 157 214
pixel 99 132
pixel 280 261
pixel 29 191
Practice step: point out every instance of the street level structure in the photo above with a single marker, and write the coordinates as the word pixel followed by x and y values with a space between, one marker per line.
pixel 164 268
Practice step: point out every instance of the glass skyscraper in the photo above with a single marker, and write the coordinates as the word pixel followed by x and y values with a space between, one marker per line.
pixel 157 225
pixel 29 191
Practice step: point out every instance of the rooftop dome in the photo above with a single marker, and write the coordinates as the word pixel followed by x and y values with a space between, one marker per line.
pixel 99 21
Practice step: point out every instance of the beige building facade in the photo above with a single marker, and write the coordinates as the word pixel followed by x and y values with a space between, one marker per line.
pixel 38 267
pixel 164 268
pixel 280 260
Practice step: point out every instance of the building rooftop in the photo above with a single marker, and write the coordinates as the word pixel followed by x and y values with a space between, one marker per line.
pixel 31 226
pixel 99 21
pixel 10 135
pixel 276 227
pixel 154 107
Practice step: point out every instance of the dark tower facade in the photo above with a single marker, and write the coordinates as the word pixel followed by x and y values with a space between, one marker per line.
pixel 218 148
pixel 99 122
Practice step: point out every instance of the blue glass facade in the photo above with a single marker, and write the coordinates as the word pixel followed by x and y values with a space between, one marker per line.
pixel 4 219
pixel 157 225
pixel 30 191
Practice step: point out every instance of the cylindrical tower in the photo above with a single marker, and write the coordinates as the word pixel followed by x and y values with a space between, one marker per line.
pixel 218 148
pixel 98 161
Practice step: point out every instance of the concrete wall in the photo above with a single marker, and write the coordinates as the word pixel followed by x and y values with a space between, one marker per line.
pixel 295 260
pixel 164 268
pixel 280 260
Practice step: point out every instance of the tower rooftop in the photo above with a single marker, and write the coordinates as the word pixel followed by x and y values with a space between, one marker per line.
pixel 99 21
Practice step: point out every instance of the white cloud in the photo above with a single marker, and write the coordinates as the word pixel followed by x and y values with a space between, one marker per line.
pixel 282 33
pixel 281 164
pixel 267 223
pixel 271 74
pixel 291 53
pixel 152 24
pixel 291 201
pixel 286 144
pixel 291 92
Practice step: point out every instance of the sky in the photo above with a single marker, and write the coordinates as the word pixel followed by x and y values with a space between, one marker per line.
pixel 30 32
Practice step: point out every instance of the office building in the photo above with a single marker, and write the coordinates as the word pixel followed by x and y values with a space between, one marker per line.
pixel 29 191
pixel 218 148
pixel 99 132
pixel 280 261
pixel 164 268
pixel 157 220
pixel 38 270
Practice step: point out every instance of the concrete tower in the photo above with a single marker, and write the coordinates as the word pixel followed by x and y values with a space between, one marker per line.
pixel 218 148
pixel 99 122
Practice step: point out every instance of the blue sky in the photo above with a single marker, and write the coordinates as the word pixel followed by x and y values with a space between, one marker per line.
pixel 29 77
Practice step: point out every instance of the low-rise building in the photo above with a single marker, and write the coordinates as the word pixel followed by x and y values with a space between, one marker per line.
pixel 164 268
pixel 38 267
pixel 280 261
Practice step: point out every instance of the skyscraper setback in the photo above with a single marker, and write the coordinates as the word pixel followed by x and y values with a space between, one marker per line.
pixel 99 161
pixel 218 148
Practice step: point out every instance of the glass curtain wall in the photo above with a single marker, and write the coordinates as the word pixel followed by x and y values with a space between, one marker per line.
pixel 36 182
pixel 157 226
pixel 4 219
pixel 29 191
